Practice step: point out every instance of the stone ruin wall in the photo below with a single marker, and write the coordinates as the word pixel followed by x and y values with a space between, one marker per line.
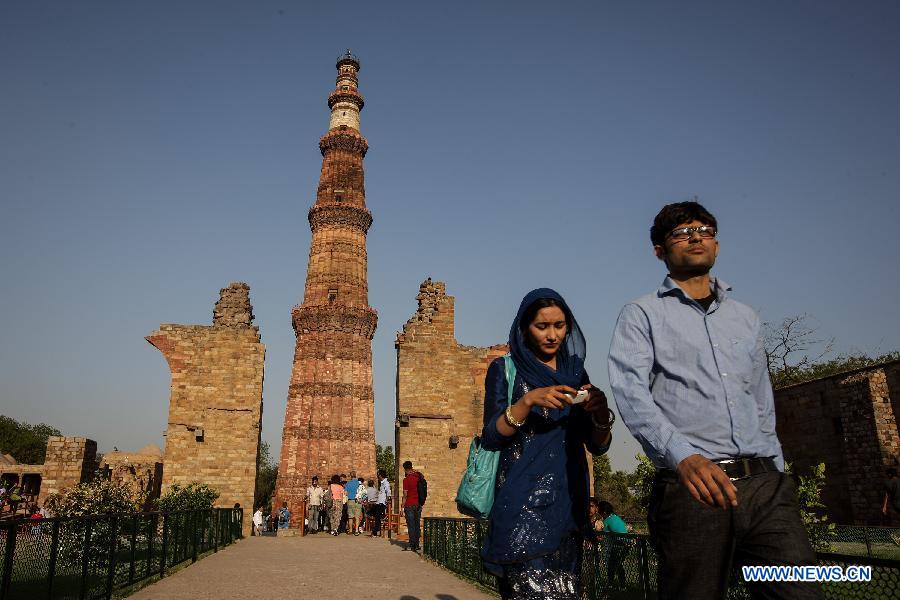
pixel 440 393
pixel 215 410
pixel 69 461
pixel 849 422
pixel 140 471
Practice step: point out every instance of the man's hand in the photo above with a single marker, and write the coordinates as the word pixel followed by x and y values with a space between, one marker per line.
pixel 707 482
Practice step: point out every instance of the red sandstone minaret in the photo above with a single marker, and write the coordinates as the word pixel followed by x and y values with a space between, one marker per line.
pixel 329 421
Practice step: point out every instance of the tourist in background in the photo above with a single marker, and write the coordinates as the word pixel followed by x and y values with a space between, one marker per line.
pixel 891 496
pixel 284 517
pixel 382 502
pixel 337 503
pixel 257 521
pixel 314 494
pixel 534 539
pixel 412 508
pixel 354 509
pixel 361 502
pixel 615 546
pixel 688 369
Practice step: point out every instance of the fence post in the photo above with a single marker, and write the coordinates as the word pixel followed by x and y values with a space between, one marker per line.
pixel 165 544
pixel 644 566
pixel 54 552
pixel 84 558
pixel 8 553
pixel 868 542
pixel 194 515
pixel 133 549
pixel 111 567
pixel 154 523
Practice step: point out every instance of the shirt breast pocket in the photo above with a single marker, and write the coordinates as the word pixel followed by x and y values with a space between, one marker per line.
pixel 742 351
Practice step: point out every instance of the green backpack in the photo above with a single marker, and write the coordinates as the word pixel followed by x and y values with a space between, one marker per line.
pixel 475 495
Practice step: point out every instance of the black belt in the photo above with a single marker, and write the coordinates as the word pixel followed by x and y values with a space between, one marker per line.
pixel 736 468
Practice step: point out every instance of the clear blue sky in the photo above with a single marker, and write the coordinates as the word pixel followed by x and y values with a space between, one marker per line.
pixel 151 152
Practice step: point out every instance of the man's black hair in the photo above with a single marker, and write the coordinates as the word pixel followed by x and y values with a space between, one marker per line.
pixel 604 507
pixel 382 473
pixel 407 464
pixel 673 215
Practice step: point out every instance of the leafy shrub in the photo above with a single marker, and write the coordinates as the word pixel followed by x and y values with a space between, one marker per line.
pixel 193 496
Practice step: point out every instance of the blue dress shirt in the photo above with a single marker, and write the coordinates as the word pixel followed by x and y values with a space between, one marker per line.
pixel 689 381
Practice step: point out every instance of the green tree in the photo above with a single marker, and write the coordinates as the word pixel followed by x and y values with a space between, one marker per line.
pixel 97 497
pixel 26 443
pixel 642 481
pixel 190 497
pixel 788 347
pixel 809 496
pixel 384 459
pixel 266 476
pixel 617 488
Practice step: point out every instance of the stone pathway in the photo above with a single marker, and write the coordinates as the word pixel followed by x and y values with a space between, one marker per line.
pixel 318 566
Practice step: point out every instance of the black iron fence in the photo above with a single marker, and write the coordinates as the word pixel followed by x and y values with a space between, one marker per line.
pixel 90 557
pixel 624 566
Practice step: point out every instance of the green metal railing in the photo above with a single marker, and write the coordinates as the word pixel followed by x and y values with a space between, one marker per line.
pixel 456 543
pixel 90 557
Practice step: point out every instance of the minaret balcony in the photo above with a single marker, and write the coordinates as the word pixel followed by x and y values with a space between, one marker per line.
pixel 349 95
pixel 358 320
pixel 339 215
pixel 343 138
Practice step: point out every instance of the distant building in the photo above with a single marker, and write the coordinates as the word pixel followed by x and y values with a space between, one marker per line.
pixel 849 422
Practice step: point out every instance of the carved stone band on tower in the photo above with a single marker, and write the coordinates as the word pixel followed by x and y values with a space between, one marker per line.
pixel 329 421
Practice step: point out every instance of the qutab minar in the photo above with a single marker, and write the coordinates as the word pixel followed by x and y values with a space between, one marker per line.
pixel 329 421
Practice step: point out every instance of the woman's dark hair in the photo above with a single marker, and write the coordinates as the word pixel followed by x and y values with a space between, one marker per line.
pixel 335 479
pixel 605 508
pixel 673 215
pixel 382 473
pixel 370 483
pixel 534 307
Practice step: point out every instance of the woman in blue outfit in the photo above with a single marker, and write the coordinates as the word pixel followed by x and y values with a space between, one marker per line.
pixel 534 538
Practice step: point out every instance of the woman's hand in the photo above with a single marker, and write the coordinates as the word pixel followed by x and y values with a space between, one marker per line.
pixel 596 404
pixel 549 397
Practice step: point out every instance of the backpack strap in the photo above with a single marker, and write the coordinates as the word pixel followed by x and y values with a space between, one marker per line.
pixel 510 376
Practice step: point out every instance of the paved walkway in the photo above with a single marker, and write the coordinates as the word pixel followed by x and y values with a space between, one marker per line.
pixel 318 566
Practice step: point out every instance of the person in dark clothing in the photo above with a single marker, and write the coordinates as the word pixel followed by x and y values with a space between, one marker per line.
pixel 535 533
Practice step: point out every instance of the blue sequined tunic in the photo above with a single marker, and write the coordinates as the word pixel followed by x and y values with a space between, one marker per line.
pixel 540 505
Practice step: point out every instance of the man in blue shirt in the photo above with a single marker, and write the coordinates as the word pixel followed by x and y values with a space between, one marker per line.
pixel 354 510
pixel 688 371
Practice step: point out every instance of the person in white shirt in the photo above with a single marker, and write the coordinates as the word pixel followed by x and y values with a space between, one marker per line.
pixel 384 500
pixel 257 521
pixel 314 495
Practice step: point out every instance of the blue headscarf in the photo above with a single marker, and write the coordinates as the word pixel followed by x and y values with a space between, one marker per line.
pixel 569 358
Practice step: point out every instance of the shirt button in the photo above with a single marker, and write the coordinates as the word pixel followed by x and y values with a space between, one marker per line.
pixel 715 345
pixel 724 374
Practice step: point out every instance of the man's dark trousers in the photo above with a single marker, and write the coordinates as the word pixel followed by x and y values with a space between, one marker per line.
pixel 413 514
pixel 699 545
pixel 378 515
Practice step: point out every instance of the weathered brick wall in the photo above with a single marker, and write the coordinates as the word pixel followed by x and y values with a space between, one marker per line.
pixel 215 410
pixel 141 471
pixel 69 461
pixel 848 422
pixel 440 393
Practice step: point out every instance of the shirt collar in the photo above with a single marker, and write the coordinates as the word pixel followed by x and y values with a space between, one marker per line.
pixel 670 287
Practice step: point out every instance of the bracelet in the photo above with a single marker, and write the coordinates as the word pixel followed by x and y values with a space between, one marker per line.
pixel 609 424
pixel 510 420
